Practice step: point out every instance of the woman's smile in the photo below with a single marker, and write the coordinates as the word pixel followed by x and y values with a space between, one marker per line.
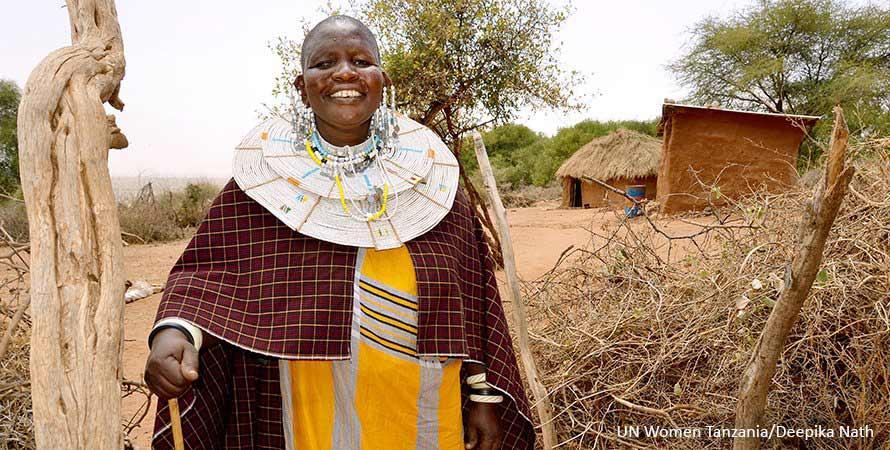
pixel 347 94
pixel 346 97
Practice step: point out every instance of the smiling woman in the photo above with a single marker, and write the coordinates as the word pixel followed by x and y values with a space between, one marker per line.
pixel 339 294
pixel 342 80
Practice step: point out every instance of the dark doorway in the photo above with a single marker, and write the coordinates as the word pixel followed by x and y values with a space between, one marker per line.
pixel 575 194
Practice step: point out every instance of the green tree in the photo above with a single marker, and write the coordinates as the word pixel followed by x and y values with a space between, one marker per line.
pixel 501 142
pixel 795 56
pixel 506 139
pixel 462 64
pixel 10 95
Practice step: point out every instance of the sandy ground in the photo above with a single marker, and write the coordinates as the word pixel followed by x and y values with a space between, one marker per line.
pixel 151 263
pixel 540 235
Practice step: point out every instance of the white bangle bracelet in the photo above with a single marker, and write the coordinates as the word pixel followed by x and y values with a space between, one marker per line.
pixel 480 386
pixel 196 333
pixel 486 398
pixel 476 379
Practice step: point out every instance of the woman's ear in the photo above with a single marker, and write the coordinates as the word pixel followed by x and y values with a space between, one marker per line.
pixel 387 81
pixel 300 84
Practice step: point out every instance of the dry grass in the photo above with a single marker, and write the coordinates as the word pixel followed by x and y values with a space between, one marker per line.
pixel 166 216
pixel 624 337
pixel 14 219
pixel 16 430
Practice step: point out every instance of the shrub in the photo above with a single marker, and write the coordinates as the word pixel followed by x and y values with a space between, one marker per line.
pixel 14 219
pixel 169 217
pixel 526 196
pixel 193 204
pixel 150 221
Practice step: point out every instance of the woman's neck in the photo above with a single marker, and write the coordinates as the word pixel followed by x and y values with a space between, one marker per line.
pixel 343 137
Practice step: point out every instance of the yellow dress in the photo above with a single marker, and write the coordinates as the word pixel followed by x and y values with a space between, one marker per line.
pixel 384 397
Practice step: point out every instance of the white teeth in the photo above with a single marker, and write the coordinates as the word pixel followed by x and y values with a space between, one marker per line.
pixel 346 94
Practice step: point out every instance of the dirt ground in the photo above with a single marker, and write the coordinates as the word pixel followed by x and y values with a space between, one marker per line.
pixel 540 235
pixel 151 263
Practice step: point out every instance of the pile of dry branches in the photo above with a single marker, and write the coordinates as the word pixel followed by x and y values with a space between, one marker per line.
pixel 16 429
pixel 626 335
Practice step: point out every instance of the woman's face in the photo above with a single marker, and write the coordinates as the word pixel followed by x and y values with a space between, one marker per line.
pixel 342 81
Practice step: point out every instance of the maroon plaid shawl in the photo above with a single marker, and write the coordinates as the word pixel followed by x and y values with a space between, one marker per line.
pixel 270 292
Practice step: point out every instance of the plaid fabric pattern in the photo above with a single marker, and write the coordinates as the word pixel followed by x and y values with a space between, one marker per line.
pixel 268 290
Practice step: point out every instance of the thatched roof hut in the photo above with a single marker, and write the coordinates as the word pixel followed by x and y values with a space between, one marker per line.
pixel 623 158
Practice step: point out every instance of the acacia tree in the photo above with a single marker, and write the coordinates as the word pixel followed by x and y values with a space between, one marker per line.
pixel 458 65
pixel 9 147
pixel 794 56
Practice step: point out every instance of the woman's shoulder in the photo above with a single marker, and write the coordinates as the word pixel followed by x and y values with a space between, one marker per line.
pixel 462 202
pixel 253 139
pixel 233 203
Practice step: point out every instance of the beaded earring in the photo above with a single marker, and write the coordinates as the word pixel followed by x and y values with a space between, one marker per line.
pixel 302 118
pixel 389 128
pixel 387 131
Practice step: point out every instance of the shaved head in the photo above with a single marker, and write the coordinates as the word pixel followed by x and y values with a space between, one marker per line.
pixel 339 25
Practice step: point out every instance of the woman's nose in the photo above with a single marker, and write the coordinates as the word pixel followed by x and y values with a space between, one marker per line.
pixel 345 72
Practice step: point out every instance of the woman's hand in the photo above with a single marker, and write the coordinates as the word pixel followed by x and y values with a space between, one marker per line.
pixel 483 427
pixel 172 365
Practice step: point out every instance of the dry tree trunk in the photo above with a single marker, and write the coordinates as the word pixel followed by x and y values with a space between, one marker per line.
pixel 818 218
pixel 76 273
pixel 542 401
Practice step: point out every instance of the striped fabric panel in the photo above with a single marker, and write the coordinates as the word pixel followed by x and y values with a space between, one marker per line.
pixel 379 341
pixel 402 298
pixel 388 321
pixel 386 307
pixel 389 318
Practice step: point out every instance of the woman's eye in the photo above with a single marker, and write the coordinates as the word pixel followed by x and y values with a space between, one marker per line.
pixel 362 63
pixel 322 65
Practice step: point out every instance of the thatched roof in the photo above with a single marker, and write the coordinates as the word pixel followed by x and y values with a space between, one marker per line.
pixel 622 154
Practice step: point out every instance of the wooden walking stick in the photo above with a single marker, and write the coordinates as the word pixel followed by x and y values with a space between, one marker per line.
pixel 176 424
pixel 542 402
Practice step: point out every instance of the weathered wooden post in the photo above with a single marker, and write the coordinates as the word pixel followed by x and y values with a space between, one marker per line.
pixel 542 401
pixel 77 282
pixel 818 217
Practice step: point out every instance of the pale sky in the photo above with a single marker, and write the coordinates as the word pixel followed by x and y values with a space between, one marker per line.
pixel 198 71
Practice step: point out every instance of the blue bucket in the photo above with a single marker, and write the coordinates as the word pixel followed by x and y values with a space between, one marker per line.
pixel 637 193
